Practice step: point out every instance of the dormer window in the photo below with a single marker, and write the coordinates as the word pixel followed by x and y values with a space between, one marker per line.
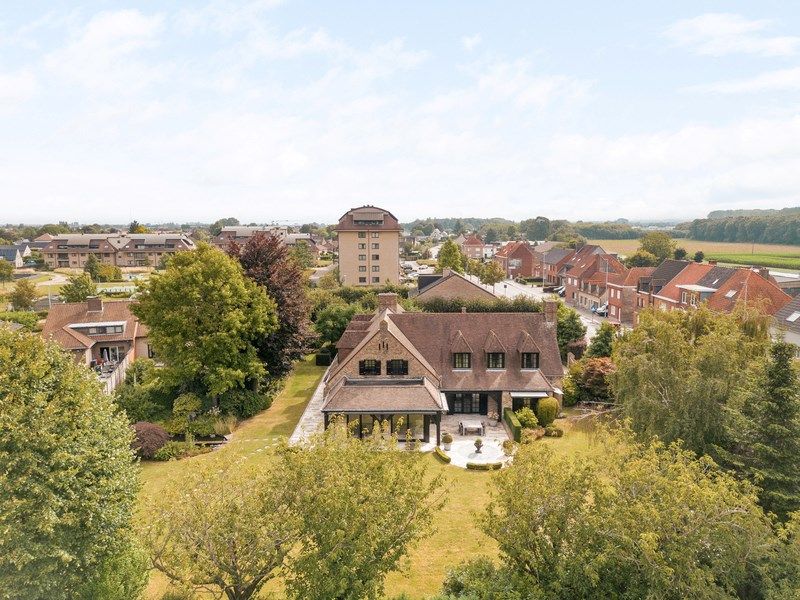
pixel 495 360
pixel 462 360
pixel 369 367
pixel 530 360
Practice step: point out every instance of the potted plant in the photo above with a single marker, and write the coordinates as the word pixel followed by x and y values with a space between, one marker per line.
pixel 478 445
pixel 447 440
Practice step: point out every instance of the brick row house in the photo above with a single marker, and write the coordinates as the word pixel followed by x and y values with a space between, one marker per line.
pixel 553 262
pixel 118 249
pixel 472 246
pixel 411 369
pixel 677 284
pixel 622 294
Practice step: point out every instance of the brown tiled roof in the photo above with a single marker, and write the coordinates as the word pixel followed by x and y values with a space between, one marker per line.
pixel 543 247
pixel 463 286
pixel 748 286
pixel 472 240
pixel 631 277
pixel 428 335
pixel 511 248
pixel 383 396
pixel 61 315
pixel 556 255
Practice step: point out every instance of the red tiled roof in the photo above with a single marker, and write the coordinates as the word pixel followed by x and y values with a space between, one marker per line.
pixel 631 277
pixel 472 240
pixel 748 286
pixel 691 273
pixel 61 315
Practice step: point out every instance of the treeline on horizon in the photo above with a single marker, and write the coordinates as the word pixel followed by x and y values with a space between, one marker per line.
pixel 539 228
pixel 780 227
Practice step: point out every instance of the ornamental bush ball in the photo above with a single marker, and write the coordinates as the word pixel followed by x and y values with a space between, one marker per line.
pixel 547 411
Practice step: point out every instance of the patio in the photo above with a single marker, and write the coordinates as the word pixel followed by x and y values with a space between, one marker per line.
pixel 462 449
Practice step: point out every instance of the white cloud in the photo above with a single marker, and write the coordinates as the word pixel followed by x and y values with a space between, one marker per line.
pixel 471 42
pixel 772 81
pixel 102 55
pixel 17 87
pixel 720 34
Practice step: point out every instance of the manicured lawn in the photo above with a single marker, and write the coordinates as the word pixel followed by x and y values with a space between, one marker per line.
pixel 456 537
pixel 626 247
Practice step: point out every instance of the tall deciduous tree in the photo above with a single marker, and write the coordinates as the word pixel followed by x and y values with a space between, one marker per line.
pixel 632 521
pixel 302 255
pixel 363 505
pixel 492 273
pixel 450 257
pixel 78 288
pixel 6 270
pixel 266 261
pixel 570 332
pixel 332 320
pixel 603 341
pixel 24 295
pixel 677 370
pixel 68 481
pixel 206 320
pixel 657 243
pixel 225 527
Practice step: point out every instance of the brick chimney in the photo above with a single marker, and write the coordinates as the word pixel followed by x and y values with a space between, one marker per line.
pixel 446 273
pixel 389 300
pixel 94 304
pixel 550 311
pixel 764 272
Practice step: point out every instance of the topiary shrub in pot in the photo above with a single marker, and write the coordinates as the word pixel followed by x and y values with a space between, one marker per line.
pixel 547 411
pixel 478 445
pixel 148 439
pixel 447 440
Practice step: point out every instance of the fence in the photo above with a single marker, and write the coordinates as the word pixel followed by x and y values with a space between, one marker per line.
pixel 111 380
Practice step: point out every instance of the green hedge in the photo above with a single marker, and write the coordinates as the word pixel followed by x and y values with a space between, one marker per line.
pixel 513 423
pixel 441 455
pixel 27 319
pixel 493 466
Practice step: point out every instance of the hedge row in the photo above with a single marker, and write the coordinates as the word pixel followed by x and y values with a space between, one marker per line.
pixel 493 466
pixel 441 455
pixel 513 423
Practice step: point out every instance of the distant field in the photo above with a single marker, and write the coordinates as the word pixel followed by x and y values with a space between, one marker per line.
pixel 710 249
pixel 777 261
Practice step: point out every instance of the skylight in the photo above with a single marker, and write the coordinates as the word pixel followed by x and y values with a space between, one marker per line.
pixel 794 316
pixel 730 294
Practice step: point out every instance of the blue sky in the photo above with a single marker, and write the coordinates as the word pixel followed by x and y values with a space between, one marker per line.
pixel 296 111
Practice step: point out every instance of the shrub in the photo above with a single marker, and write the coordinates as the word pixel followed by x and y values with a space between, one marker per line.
pixel 441 455
pixel 508 447
pixel 225 425
pixel 447 438
pixel 513 424
pixel 527 418
pixel 29 320
pixel 149 438
pixel 547 410
pixel 492 466
pixel 178 450
pixel 553 431
pixel 244 403
pixel 531 435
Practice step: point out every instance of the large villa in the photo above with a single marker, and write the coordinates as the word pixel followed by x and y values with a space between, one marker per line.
pixel 411 369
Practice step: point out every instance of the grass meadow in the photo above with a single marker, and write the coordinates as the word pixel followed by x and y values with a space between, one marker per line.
pixel 456 536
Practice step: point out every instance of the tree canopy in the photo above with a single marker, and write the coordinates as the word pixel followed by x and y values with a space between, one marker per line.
pixel 24 295
pixel 206 320
pixel 266 261
pixel 633 521
pixel 657 243
pixel 450 257
pixel 68 482
pixel 78 288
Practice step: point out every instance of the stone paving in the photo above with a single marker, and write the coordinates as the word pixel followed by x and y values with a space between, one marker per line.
pixel 312 420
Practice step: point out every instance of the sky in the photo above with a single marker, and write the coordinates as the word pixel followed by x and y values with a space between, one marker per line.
pixel 292 111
